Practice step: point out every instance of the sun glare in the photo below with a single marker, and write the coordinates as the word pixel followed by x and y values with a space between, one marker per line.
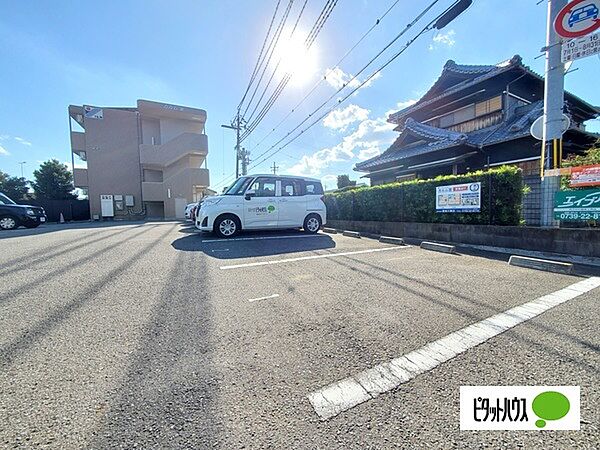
pixel 296 60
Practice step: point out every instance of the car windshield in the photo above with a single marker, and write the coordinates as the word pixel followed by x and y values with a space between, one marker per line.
pixel 239 187
pixel 5 200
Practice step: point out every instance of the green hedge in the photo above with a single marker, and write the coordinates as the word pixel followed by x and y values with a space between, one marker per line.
pixel 414 201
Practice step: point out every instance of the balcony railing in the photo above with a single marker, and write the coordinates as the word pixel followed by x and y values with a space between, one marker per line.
pixel 169 152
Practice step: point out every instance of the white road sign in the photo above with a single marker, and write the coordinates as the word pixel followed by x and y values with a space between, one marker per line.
pixel 580 48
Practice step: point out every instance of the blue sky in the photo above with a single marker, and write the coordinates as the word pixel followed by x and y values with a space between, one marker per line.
pixel 201 54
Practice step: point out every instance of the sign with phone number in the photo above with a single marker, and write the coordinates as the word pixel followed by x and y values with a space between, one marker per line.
pixel 577 205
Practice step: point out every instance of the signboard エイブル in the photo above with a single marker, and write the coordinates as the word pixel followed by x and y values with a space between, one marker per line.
pixel 585 176
pixel 577 205
pixel 458 198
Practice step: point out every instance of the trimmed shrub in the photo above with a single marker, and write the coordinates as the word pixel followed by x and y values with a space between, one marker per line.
pixel 414 201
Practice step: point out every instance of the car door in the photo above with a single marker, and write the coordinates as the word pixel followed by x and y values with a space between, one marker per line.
pixel 260 204
pixel 292 203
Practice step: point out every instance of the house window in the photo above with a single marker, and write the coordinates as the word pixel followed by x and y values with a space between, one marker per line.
pixel 469 113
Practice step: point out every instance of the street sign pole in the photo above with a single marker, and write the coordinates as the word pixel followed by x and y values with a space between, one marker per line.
pixel 553 113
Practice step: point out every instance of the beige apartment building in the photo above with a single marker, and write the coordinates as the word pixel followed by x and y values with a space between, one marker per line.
pixel 143 162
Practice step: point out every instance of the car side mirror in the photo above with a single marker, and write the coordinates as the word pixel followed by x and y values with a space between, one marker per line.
pixel 250 193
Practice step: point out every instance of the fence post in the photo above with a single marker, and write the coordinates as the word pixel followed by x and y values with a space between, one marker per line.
pixel 490 198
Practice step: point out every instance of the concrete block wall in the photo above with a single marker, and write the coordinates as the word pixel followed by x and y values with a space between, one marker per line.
pixel 569 241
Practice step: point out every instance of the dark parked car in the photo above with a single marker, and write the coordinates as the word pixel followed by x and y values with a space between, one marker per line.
pixel 13 215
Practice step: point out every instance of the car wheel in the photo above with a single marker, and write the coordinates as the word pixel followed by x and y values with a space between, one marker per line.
pixel 227 226
pixel 8 223
pixel 312 223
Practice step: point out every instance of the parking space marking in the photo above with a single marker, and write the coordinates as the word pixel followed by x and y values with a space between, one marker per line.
pixel 262 238
pixel 368 384
pixel 304 258
pixel 263 298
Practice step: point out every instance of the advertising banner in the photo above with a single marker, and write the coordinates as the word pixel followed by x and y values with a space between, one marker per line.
pixel 577 205
pixel 585 176
pixel 458 198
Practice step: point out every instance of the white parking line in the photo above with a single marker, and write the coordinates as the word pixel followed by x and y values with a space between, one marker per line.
pixel 263 298
pixel 349 392
pixel 303 258
pixel 262 238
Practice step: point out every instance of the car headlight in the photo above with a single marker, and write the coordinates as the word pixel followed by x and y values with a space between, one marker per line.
pixel 206 203
pixel 30 212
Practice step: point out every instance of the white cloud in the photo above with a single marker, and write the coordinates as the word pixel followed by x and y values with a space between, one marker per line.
pixel 329 181
pixel 400 106
pixel 371 137
pixel 337 78
pixel 22 141
pixel 340 119
pixel 4 137
pixel 406 104
pixel 446 39
pixel 368 153
pixel 3 151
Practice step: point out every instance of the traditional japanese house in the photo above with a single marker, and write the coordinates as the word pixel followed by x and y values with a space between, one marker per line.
pixel 475 117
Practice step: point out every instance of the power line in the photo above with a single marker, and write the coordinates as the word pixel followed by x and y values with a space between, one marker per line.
pixel 278 63
pixel 258 60
pixel 425 29
pixel 404 31
pixel 318 83
pixel 319 23
pixel 270 51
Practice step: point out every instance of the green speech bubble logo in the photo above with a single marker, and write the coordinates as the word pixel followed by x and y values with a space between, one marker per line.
pixel 270 208
pixel 550 405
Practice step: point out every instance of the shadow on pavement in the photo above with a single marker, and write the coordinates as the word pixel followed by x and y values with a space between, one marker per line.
pixel 168 397
pixel 252 244
pixel 53 227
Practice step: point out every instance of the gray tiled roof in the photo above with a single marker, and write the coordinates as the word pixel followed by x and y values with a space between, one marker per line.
pixel 474 74
pixel 479 73
pixel 440 139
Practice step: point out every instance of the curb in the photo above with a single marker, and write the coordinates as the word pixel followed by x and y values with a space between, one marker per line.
pixel 434 246
pixel 330 230
pixel 354 234
pixel 391 240
pixel 541 264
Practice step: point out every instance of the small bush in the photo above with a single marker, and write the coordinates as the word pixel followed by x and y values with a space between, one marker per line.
pixel 414 201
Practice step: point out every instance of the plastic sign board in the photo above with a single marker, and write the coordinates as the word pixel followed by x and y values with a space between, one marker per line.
pixel 578 18
pixel 577 205
pixel 580 48
pixel 458 198
pixel 91 112
pixel 583 176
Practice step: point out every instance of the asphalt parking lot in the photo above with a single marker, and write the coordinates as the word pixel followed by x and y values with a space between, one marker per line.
pixel 154 336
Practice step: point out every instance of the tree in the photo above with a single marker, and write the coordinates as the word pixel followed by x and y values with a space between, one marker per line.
pixel 590 157
pixel 53 181
pixel 344 181
pixel 14 187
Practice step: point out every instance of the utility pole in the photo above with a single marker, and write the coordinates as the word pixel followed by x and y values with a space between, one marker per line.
pixel 22 163
pixel 554 89
pixel 245 158
pixel 236 125
pixel 274 168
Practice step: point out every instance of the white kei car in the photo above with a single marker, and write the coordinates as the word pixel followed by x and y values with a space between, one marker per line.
pixel 257 202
